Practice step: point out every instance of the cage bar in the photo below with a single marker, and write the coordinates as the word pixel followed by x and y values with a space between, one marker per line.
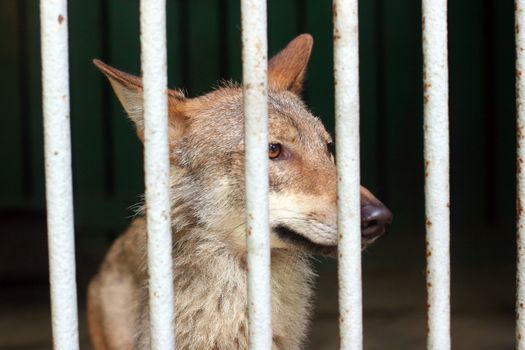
pixel 520 174
pixel 156 172
pixel 255 89
pixel 436 149
pixel 59 188
pixel 346 73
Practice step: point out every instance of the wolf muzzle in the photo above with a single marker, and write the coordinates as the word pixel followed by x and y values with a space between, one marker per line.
pixel 374 218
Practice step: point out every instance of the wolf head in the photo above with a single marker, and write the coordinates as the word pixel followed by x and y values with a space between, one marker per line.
pixel 207 160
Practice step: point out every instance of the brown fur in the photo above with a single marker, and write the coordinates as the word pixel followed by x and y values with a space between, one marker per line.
pixel 207 197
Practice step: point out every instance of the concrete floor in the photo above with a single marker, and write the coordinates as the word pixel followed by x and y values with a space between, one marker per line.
pixel 394 311
pixel 393 291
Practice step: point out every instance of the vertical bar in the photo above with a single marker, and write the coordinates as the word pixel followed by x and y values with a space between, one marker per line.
pixel 59 188
pixel 520 174
pixel 255 87
pixel 156 171
pixel 437 199
pixel 346 73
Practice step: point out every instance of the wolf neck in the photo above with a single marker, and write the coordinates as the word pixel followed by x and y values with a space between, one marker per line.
pixel 210 282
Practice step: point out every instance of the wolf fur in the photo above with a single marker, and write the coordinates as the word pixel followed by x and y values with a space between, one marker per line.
pixel 207 198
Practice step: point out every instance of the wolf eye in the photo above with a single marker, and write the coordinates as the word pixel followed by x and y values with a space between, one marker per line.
pixel 274 150
pixel 330 146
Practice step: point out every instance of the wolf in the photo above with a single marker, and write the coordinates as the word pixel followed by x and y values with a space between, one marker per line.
pixel 207 198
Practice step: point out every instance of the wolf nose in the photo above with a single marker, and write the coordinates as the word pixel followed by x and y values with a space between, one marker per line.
pixel 374 218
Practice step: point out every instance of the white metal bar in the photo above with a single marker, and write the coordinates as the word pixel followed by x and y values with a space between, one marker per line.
pixel 156 171
pixel 346 72
pixel 437 198
pixel 59 189
pixel 255 86
pixel 520 174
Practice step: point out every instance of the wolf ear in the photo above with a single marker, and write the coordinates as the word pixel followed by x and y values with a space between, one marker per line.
pixel 286 70
pixel 128 89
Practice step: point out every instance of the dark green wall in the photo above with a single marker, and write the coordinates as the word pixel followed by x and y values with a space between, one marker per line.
pixel 204 46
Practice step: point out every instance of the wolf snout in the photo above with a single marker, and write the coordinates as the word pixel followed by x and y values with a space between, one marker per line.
pixel 374 218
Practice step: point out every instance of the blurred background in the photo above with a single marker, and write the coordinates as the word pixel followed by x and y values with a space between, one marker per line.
pixel 204 47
